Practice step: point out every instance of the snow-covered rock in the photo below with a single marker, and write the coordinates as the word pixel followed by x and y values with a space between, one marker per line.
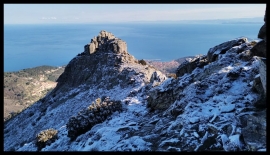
pixel 211 107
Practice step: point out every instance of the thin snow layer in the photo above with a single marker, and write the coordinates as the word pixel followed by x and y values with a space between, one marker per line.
pixel 103 137
pixel 55 117
pixel 212 103
pixel 111 135
pixel 115 134
pixel 220 104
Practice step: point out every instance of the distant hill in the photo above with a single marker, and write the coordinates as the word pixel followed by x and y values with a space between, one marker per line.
pixel 24 87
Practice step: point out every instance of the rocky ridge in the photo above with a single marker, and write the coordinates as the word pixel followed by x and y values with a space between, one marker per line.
pixel 212 105
pixel 105 59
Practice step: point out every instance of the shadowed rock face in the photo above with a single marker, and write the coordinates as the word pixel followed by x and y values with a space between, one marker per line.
pixel 105 62
pixel 222 48
pixel 262 32
pixel 260 50
pixel 190 64
pixel 263 73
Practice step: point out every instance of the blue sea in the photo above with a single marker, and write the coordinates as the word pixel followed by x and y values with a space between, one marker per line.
pixel 27 46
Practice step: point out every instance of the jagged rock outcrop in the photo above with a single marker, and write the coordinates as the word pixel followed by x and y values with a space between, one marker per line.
pixel 164 95
pixel 161 97
pixel 190 64
pixel 157 78
pixel 106 41
pixel 106 62
pixel 213 52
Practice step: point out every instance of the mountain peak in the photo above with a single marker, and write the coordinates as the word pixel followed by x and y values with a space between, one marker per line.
pixel 105 41
pixel 104 62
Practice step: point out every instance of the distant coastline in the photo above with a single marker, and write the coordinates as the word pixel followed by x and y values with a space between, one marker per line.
pixel 55 45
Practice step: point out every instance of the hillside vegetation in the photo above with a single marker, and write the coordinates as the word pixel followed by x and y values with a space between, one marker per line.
pixel 25 87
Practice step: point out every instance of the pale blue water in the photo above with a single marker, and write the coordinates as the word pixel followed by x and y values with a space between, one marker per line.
pixel 27 46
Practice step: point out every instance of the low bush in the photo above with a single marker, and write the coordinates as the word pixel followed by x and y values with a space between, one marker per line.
pixel 46 137
pixel 96 113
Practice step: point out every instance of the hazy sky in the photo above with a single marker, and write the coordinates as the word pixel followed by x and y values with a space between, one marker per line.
pixel 95 13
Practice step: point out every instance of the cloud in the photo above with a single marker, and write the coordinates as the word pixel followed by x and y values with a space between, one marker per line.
pixel 122 13
pixel 48 18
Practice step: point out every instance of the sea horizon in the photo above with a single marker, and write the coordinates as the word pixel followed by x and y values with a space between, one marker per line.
pixel 33 45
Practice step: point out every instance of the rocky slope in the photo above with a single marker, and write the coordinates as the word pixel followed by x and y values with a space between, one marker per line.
pixel 107 100
pixel 25 87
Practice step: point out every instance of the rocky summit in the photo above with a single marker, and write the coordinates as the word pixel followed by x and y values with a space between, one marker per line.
pixel 107 100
